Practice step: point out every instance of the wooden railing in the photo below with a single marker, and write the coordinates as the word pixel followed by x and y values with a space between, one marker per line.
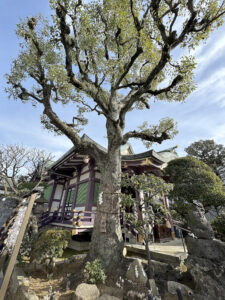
pixel 45 219
pixel 75 218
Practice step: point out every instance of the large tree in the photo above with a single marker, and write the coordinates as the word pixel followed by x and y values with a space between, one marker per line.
pixel 194 180
pixel 209 152
pixel 110 57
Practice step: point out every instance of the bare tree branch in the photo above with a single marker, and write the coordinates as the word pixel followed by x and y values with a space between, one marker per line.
pixel 9 183
pixel 18 165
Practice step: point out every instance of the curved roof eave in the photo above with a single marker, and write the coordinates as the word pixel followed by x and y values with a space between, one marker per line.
pixel 159 156
pixel 73 151
pixel 147 154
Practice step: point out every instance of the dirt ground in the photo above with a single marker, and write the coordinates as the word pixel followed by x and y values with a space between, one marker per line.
pixel 42 283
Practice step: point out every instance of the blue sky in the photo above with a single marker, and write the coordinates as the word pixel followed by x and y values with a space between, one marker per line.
pixel 202 116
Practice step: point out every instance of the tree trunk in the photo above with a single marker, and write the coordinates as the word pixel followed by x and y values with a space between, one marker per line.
pixel 150 268
pixel 107 242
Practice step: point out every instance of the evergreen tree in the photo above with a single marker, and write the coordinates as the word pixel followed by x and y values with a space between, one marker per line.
pixel 110 57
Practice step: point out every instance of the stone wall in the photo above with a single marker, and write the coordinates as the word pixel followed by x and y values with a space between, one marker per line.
pixel 19 287
pixel 206 257
pixel 6 208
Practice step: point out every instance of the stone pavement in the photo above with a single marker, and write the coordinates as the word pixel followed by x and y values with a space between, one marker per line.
pixel 168 252
pixel 173 247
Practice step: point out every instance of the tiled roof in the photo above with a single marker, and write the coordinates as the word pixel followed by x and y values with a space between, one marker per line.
pixel 161 156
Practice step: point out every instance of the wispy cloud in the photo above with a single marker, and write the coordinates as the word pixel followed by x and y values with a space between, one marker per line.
pixel 214 83
pixel 208 51
pixel 31 134
pixel 219 134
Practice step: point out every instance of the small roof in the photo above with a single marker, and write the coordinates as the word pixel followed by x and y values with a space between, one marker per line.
pixel 126 149
pixel 161 156
pixel 72 151
pixel 168 154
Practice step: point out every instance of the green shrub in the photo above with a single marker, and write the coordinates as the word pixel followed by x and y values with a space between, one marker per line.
pixel 50 243
pixel 218 224
pixel 95 271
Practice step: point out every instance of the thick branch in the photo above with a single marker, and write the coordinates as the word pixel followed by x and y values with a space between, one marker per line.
pixel 104 21
pixel 153 138
pixel 128 66
pixel 158 22
pixel 83 147
pixel 189 27
pixel 175 81
pixel 145 87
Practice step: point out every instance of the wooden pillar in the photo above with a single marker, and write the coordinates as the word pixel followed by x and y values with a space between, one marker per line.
pixel 52 194
pixel 77 186
pixel 166 203
pixel 91 187
pixel 65 196
pixel 61 200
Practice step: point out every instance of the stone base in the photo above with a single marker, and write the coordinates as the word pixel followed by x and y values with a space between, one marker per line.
pixel 209 249
pixel 158 256
pixel 19 287
pixel 87 292
pixel 208 277
pixel 206 264
pixel 79 246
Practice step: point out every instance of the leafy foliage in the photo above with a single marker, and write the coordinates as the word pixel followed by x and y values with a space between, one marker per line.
pixel 27 186
pixel 146 210
pixel 50 243
pixel 194 180
pixel 152 188
pixel 29 238
pixel 95 271
pixel 110 57
pixel 209 152
pixel 218 224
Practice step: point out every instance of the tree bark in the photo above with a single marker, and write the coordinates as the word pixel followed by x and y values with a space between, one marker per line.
pixel 150 268
pixel 107 242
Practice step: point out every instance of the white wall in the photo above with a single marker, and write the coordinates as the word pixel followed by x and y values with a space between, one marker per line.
pixel 73 181
pixel 55 204
pixel 58 192
pixel 85 168
pixel 84 176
